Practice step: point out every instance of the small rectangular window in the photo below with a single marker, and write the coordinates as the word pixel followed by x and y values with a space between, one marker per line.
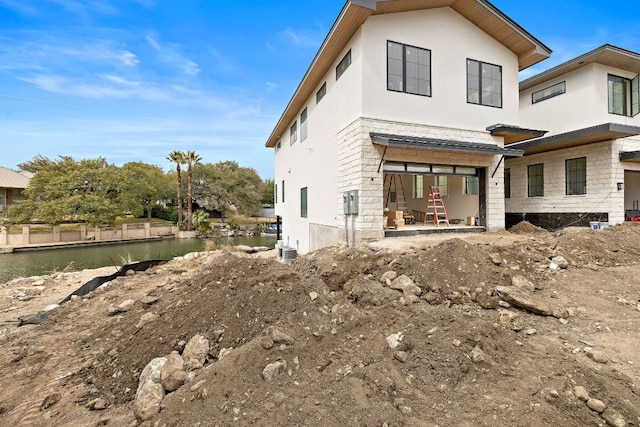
pixel 408 69
pixel 283 191
pixel 293 133
pixel 303 125
pixel 576 176
pixel 549 92
pixel 484 83
pixel 343 65
pixel 535 177
pixel 321 92
pixel 471 185
pixel 418 187
pixel 507 183
pixel 443 185
pixel 303 202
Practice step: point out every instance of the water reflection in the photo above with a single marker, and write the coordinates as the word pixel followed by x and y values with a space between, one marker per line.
pixel 24 264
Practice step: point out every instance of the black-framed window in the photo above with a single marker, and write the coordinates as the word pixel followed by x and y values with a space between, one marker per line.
pixel 303 202
pixel 283 191
pixel 507 183
pixel 408 69
pixel 303 125
pixel 576 176
pixel 484 83
pixel 321 92
pixel 548 92
pixel 471 185
pixel 293 133
pixel 624 95
pixel 535 180
pixel 343 65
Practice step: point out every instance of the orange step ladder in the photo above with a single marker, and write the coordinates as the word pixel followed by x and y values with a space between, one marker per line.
pixel 435 207
pixel 401 202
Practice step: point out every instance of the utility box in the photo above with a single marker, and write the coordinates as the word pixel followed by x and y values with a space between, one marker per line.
pixel 350 202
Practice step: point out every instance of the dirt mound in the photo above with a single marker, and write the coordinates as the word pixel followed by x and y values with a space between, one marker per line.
pixel 525 227
pixel 377 337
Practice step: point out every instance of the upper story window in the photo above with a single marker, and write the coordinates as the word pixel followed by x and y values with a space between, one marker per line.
pixel 624 95
pixel 484 83
pixel 321 92
pixel 343 65
pixel 549 92
pixel 293 133
pixel 303 125
pixel 408 69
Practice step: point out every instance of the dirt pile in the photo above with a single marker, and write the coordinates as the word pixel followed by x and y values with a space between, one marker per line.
pixel 377 337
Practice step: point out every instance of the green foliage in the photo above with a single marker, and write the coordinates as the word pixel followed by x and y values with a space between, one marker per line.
pixel 201 222
pixel 141 186
pixel 227 187
pixel 233 224
pixel 168 214
pixel 259 228
pixel 268 195
pixel 65 190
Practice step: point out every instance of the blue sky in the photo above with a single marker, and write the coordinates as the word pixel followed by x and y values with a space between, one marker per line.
pixel 132 80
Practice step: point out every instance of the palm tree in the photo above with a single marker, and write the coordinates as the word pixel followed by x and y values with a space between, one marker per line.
pixel 179 158
pixel 191 159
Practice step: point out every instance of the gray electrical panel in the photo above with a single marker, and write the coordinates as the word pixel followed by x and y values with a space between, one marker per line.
pixel 350 201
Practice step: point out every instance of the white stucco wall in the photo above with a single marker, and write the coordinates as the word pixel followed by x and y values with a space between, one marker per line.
pixel 584 104
pixel 312 163
pixel 452 40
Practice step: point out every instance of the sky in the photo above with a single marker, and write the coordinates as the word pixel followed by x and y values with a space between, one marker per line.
pixel 132 80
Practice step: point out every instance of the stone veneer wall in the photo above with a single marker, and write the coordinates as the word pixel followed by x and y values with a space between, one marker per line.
pixel 359 160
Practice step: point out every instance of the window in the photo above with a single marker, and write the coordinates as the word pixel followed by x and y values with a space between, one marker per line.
pixel 484 83
pixel 303 125
pixel 293 133
pixel 624 95
pixel 550 92
pixel 443 185
pixel 283 191
pixel 576 176
pixel 303 202
pixel 535 175
pixel 408 69
pixel 507 183
pixel 418 187
pixel 321 92
pixel 343 65
pixel 471 185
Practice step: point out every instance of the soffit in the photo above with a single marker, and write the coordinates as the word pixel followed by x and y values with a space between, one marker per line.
pixel 403 141
pixel 608 55
pixel 604 132
pixel 630 156
pixel 513 134
pixel 480 12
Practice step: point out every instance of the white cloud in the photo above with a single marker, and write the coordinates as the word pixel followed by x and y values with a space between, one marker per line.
pixel 169 53
pixel 302 38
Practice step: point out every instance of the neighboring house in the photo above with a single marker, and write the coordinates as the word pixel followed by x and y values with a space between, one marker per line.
pixel 421 92
pixel 588 166
pixel 12 185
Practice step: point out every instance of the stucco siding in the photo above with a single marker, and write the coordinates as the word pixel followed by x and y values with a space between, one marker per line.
pixel 452 40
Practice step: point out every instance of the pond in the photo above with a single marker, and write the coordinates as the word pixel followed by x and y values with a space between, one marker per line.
pixel 38 263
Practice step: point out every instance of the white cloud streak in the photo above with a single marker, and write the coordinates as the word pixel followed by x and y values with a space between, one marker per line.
pixel 169 53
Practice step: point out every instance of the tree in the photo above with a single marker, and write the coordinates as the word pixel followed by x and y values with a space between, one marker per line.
pixel 192 159
pixel 141 186
pixel 178 158
pixel 228 187
pixel 65 190
pixel 268 192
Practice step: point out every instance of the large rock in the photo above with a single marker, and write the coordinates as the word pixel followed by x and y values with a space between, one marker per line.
pixel 523 283
pixel 274 369
pixel 173 374
pixel 150 392
pixel 523 299
pixel 197 349
pixel 279 337
pixel 614 418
